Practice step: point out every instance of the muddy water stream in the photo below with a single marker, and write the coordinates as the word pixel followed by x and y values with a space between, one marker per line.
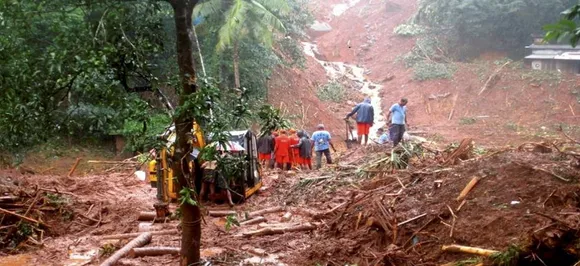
pixel 338 70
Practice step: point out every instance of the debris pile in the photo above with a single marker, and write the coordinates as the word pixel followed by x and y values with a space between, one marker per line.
pixel 525 199
pixel 28 215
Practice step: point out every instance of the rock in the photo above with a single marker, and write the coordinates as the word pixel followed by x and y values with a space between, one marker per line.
pixel 349 102
pixel 287 217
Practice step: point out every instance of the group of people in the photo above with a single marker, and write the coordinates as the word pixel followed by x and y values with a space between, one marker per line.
pixel 291 149
pixel 396 122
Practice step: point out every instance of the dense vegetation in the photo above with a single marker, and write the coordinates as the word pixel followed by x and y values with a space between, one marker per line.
pixel 90 69
pixel 475 26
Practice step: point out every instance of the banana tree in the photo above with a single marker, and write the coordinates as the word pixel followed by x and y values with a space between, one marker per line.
pixel 256 20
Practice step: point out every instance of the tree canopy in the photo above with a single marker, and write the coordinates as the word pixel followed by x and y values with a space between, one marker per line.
pixel 89 69
pixel 473 26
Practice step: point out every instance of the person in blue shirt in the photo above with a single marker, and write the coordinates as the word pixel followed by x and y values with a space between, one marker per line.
pixel 383 136
pixel 365 116
pixel 397 119
pixel 322 144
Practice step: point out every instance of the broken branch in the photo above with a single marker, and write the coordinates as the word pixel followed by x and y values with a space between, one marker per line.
pixel 153 251
pixel 469 250
pixel 467 188
pixel 265 211
pixel 281 230
pixel 131 235
pixel 142 240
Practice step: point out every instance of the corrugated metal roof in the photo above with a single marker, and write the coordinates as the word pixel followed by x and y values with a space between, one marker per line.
pixel 540 56
pixel 568 56
pixel 552 47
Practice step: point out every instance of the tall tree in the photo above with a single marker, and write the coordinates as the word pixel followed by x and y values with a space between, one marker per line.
pixel 256 19
pixel 191 234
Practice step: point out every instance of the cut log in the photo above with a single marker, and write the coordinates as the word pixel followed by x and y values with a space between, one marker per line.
pixel 149 227
pixel 147 216
pixel 277 225
pixel 469 250
pixel 222 213
pixel 468 188
pixel 281 230
pixel 132 235
pixel 9 198
pixel 255 220
pixel 153 251
pixel 142 240
pixel 265 211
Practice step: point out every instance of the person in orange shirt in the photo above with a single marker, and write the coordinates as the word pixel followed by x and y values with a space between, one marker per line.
pixel 294 152
pixel 282 150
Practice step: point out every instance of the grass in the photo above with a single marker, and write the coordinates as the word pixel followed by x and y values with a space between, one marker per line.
pixel 576 92
pixel 507 258
pixel 542 76
pixel 468 262
pixel 511 126
pixel 431 70
pixel 467 121
pixel 409 30
pixel 331 92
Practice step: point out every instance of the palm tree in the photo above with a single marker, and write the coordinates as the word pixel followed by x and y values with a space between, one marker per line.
pixel 255 19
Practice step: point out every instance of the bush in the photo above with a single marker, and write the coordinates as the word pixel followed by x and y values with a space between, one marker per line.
pixel 140 138
pixel 331 92
pixel 467 121
pixel 409 30
pixel 430 70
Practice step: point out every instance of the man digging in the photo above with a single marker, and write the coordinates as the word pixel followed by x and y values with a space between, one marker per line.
pixel 365 115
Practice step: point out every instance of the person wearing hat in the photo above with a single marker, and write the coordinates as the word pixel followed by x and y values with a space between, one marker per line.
pixel 282 150
pixel 365 117
pixel 322 144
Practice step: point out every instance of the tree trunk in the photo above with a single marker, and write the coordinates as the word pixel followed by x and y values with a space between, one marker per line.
pixel 236 65
pixel 191 234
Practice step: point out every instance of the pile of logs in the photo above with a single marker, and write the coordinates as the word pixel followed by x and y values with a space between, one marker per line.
pixel 22 216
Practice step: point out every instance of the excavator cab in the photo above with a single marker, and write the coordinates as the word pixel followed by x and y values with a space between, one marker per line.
pixel 245 184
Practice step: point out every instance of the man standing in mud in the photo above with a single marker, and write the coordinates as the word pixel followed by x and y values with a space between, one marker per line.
pixel 365 116
pixel 397 121
pixel 322 144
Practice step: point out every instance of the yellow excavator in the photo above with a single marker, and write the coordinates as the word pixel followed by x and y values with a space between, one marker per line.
pixel 160 174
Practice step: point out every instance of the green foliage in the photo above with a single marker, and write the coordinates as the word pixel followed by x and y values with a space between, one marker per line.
pixel 428 61
pixel 56 200
pixel 187 196
pixel 468 262
pixel 331 92
pixel 107 250
pixel 566 28
pixel 68 67
pixel 427 70
pixel 230 221
pixel 409 30
pixel 143 135
pixel 271 119
pixel 540 77
pixel 467 121
pixel 473 26
pixel 507 258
